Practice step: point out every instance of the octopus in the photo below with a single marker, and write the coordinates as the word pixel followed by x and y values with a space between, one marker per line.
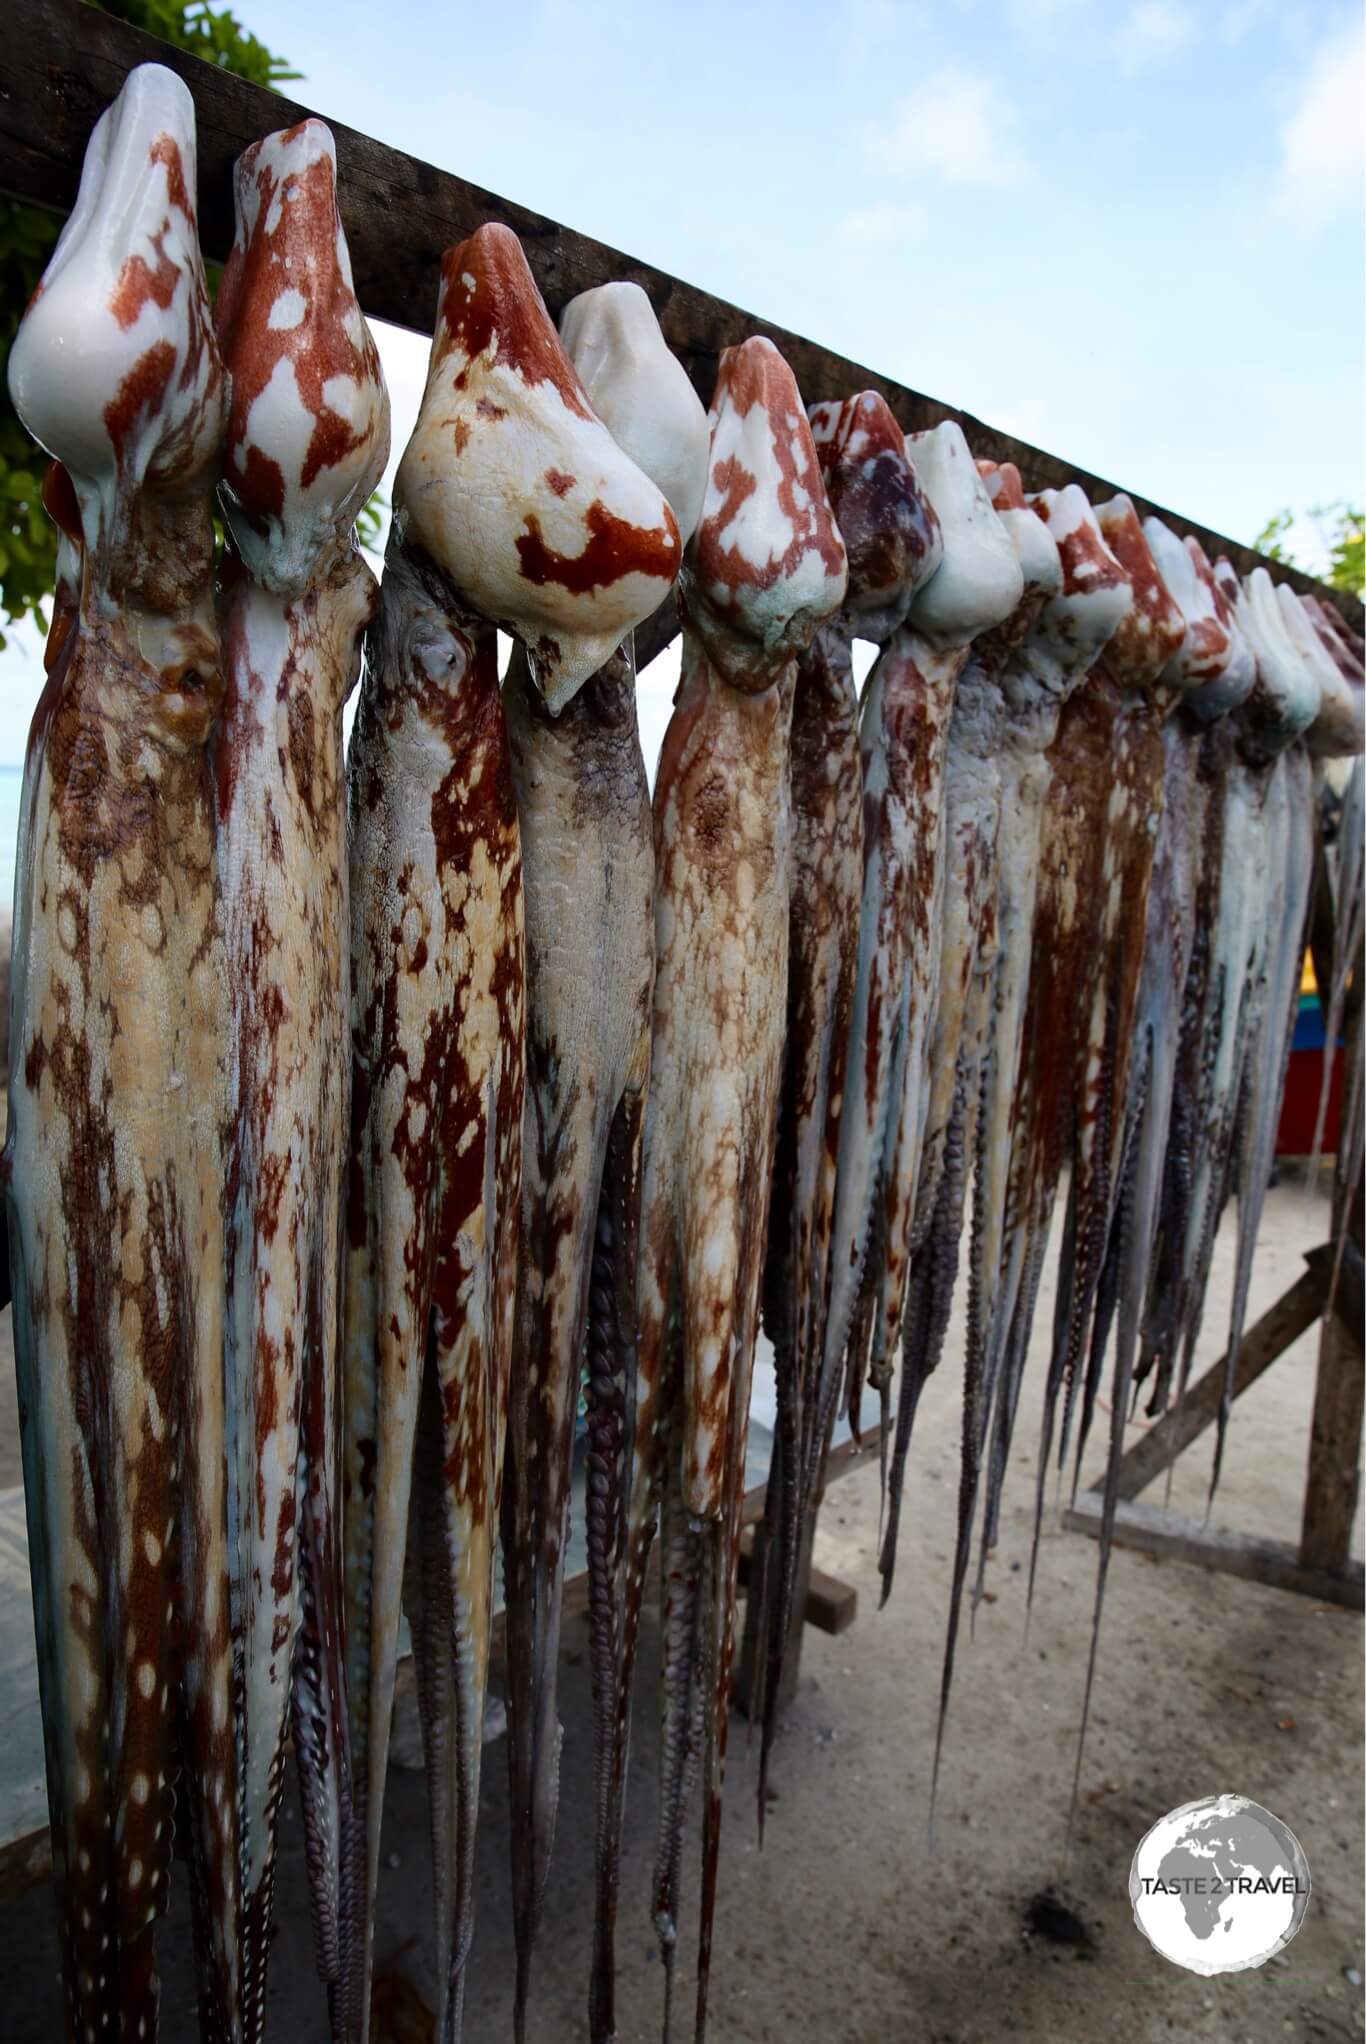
pixel 1155 1264
pixel 307 439
pixel 1060 717
pixel 114 1160
pixel 1345 880
pixel 513 506
pixel 763 570
pixel 1208 673
pixel 1133 664
pixel 1260 854
pixel 889 532
pixel 1335 730
pixel 975 781
pixel 583 807
pixel 974 585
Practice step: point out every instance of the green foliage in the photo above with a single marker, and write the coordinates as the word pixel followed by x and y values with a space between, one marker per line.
pixel 370 520
pixel 1269 540
pixel 1342 534
pixel 28 540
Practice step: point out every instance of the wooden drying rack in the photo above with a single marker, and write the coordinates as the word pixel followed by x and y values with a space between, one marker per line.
pixel 62 62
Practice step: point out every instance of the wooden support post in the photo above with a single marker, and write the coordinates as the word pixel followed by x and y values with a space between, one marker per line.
pixel 1290 1317
pixel 819 1600
pixel 754 1645
pixel 1330 1491
pixel 1331 1486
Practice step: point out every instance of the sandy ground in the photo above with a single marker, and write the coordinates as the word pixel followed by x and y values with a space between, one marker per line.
pixel 847 1926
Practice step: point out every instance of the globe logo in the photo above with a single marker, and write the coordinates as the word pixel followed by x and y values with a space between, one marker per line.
pixel 1219 1885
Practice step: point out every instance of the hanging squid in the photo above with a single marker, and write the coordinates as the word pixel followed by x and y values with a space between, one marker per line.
pixel 307 440
pixel 763 570
pixel 908 701
pixel 588 881
pixel 1049 914
pixel 890 534
pixel 514 507
pixel 114 1157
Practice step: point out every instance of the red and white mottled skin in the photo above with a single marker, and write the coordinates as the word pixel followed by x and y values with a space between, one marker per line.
pixel 588 882
pixel 891 538
pixel 307 439
pixel 545 525
pixel 764 568
pixel 907 705
pixel 507 465
pixel 114 1156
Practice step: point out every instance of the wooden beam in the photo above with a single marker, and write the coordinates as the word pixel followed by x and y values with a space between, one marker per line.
pixel 61 62
pixel 1273 1563
pixel 1291 1316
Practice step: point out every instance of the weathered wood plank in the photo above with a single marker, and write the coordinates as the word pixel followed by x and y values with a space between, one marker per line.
pixel 1274 1563
pixel 61 62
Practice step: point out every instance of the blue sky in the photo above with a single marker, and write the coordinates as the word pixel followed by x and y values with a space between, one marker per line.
pixel 1131 233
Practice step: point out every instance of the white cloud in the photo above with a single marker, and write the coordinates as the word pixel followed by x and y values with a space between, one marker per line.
pixel 884 223
pixel 1321 144
pixel 1155 31
pixel 956 125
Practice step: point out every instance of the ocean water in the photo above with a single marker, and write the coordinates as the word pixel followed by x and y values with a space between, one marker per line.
pixel 11 782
